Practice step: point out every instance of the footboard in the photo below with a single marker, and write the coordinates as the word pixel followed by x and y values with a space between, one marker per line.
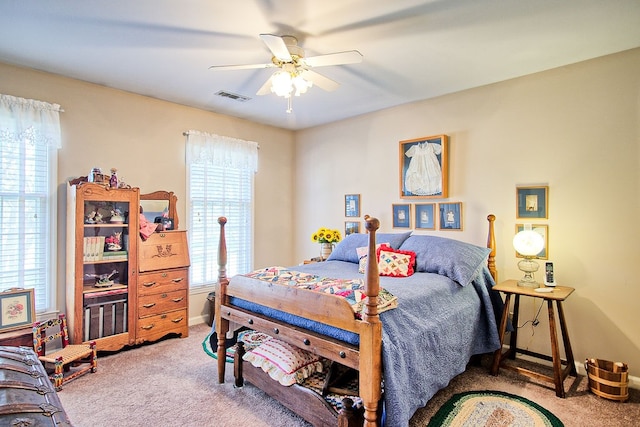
pixel 324 308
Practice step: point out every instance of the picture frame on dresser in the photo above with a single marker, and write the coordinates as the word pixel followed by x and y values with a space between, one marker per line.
pixel 18 309
pixel 425 216
pixel 424 167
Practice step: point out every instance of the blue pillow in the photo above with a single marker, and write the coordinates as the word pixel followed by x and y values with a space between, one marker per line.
pixel 457 260
pixel 346 249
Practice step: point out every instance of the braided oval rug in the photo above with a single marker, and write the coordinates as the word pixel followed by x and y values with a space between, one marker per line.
pixel 492 409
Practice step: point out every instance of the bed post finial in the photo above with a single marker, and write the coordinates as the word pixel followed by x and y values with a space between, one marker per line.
pixel 372 278
pixel 491 244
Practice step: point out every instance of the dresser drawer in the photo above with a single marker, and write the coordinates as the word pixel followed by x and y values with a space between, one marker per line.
pixel 163 250
pixel 163 281
pixel 161 303
pixel 155 327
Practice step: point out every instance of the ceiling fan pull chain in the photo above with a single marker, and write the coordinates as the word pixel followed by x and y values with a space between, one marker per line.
pixel 289 102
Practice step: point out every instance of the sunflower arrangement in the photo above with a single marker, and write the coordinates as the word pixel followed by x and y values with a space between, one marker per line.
pixel 326 235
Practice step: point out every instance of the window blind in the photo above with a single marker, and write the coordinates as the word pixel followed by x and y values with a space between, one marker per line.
pixel 217 189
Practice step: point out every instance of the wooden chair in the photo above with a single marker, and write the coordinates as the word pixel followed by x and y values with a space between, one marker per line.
pixel 61 354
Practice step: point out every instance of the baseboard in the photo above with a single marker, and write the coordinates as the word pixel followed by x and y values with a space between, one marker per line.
pixel 634 382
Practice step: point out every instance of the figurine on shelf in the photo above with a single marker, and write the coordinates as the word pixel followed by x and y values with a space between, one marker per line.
pixel 113 242
pixel 94 217
pixel 103 280
pixel 116 217
pixel 113 181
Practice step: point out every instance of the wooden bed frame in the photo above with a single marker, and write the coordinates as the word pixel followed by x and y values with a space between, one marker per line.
pixel 329 309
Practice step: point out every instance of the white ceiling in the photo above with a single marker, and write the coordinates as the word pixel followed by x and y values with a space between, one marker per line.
pixel 412 49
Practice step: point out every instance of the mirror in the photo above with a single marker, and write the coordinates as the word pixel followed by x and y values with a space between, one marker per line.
pixel 158 203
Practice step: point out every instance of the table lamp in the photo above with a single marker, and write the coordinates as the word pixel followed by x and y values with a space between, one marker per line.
pixel 529 244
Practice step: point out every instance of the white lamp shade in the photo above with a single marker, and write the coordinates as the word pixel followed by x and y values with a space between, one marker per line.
pixel 528 243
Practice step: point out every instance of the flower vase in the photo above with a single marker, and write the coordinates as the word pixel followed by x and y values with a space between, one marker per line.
pixel 325 250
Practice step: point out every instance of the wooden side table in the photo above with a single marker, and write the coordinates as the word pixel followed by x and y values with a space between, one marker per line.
pixel 20 337
pixel 559 294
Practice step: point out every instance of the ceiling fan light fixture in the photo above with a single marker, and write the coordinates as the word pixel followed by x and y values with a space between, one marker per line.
pixel 284 83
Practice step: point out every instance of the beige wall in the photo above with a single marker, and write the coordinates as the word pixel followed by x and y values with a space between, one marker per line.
pixel 143 138
pixel 575 129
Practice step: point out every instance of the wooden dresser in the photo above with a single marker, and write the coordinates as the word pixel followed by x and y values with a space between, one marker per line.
pixel 27 397
pixel 163 286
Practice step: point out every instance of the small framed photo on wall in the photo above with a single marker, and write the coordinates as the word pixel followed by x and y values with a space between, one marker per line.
pixel 351 227
pixel 543 230
pixel 401 215
pixel 351 205
pixel 532 202
pixel 424 168
pixel 425 216
pixel 450 216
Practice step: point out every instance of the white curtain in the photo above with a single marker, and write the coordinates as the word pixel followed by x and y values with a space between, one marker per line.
pixel 27 120
pixel 221 151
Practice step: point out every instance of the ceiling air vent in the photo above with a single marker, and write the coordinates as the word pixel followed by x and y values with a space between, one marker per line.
pixel 233 96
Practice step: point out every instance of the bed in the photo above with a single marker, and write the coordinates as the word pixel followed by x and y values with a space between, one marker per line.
pixel 446 313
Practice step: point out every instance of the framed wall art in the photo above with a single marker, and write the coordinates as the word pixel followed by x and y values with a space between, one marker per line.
pixel 425 216
pixel 424 167
pixel 532 202
pixel 351 227
pixel 401 215
pixel 450 216
pixel 351 205
pixel 543 230
pixel 18 309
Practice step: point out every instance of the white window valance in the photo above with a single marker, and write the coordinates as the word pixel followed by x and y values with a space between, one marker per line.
pixel 28 120
pixel 223 151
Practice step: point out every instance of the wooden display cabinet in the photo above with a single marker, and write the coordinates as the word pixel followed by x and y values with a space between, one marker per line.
pixel 102 259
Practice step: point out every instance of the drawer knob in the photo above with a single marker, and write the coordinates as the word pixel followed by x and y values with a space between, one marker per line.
pixel 276 331
pixel 149 305
pixel 164 274
pixel 163 296
pixel 342 354
pixel 306 341
pixel 250 321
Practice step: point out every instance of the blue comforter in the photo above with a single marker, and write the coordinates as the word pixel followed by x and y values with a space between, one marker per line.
pixel 428 339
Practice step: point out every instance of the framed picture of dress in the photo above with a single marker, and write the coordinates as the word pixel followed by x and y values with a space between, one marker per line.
pixel 401 215
pixel 425 216
pixel 424 168
pixel 450 216
pixel 532 202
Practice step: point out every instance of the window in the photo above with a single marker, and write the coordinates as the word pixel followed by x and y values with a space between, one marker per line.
pixel 29 140
pixel 220 176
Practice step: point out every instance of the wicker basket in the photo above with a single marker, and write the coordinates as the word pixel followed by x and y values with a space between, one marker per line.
pixel 608 379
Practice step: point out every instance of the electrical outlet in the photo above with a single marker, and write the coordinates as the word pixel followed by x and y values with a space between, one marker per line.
pixel 536 322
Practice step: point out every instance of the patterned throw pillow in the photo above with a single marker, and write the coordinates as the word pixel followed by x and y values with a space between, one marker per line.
pixel 395 262
pixel 363 254
pixel 283 362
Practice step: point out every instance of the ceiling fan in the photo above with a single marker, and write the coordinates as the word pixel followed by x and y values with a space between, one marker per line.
pixel 295 75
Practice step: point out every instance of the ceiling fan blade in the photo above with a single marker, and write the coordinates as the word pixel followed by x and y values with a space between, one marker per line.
pixel 319 80
pixel 277 46
pixel 240 67
pixel 338 58
pixel 265 89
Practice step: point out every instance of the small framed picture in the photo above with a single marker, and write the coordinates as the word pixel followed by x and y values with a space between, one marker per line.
pixel 351 227
pixel 351 205
pixel 424 168
pixel 18 309
pixel 425 216
pixel 543 230
pixel 532 202
pixel 401 215
pixel 450 216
